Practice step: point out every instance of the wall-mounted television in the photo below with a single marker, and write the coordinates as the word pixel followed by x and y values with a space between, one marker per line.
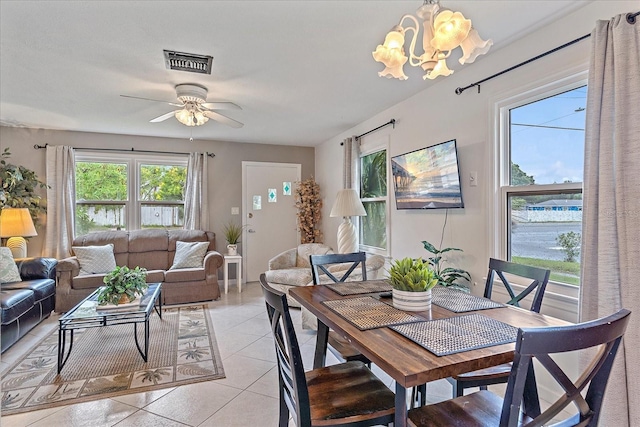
pixel 428 178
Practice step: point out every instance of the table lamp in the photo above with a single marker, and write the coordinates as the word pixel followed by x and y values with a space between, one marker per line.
pixel 16 223
pixel 347 204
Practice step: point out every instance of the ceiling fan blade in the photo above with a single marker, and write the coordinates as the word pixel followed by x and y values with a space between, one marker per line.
pixel 164 117
pixel 220 106
pixel 222 119
pixel 154 100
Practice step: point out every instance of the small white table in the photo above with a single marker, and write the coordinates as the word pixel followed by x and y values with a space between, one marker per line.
pixel 237 260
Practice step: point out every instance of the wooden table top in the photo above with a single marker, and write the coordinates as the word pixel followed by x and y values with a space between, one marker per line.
pixel 406 362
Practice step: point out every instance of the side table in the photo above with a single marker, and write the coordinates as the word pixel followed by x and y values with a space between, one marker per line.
pixel 237 260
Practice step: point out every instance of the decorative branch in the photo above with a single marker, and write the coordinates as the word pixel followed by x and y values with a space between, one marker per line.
pixel 309 205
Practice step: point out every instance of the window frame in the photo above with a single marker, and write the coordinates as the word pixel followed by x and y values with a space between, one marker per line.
pixel 499 221
pixel 134 161
pixel 366 149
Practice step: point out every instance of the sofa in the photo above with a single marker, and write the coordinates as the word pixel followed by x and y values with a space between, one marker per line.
pixel 153 249
pixel 26 303
pixel 292 268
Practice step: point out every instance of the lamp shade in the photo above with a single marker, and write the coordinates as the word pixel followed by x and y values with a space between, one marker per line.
pixel 16 222
pixel 348 204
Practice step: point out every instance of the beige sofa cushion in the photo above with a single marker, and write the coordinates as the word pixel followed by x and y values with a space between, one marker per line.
pixel 184 275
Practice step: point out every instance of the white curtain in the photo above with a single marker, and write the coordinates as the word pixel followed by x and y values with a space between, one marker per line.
pixel 60 169
pixel 611 219
pixel 196 206
pixel 351 147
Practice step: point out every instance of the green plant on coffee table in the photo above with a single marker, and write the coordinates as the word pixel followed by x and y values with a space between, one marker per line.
pixel 447 276
pixel 412 275
pixel 123 285
pixel 233 232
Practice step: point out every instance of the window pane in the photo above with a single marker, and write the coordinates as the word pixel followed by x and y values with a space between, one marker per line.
pixel 162 182
pixel 373 227
pixel 373 182
pixel 547 139
pixel 545 231
pixel 101 181
pixel 94 217
pixel 162 216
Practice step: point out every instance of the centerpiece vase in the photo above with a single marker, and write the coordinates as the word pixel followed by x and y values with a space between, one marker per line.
pixel 411 301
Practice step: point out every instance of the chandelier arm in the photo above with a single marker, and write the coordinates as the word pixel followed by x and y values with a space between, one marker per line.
pixel 412 46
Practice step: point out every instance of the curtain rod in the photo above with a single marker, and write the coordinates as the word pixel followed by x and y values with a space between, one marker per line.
pixel 631 19
pixel 462 89
pixel 390 122
pixel 122 150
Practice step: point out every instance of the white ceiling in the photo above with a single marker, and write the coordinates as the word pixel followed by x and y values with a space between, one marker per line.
pixel 302 71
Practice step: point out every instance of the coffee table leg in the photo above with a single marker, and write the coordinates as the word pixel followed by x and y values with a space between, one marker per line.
pixel 62 338
pixel 146 339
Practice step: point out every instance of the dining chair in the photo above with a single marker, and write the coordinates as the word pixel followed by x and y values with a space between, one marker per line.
pixel 540 277
pixel 520 405
pixel 347 394
pixel 320 267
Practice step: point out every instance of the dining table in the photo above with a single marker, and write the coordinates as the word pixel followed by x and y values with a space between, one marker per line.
pixel 401 347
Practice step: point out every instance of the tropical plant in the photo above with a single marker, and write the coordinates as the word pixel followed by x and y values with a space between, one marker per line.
pixel 411 275
pixel 233 232
pixel 19 186
pixel 121 284
pixel 447 276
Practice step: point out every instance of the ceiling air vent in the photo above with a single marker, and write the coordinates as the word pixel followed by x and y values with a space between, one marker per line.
pixel 188 62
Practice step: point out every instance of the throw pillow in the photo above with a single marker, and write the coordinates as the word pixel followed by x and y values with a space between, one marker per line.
pixel 189 255
pixel 95 259
pixel 8 269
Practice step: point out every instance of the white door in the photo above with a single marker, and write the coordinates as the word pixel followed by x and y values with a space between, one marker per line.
pixel 268 206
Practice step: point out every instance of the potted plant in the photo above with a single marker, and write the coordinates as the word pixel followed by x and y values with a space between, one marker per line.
pixel 123 285
pixel 447 276
pixel 232 233
pixel 18 187
pixel 412 281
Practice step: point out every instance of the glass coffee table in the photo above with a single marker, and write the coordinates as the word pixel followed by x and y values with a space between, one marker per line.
pixel 88 314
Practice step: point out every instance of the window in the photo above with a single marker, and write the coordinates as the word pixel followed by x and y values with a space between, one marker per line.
pixel 118 193
pixel 541 173
pixel 374 228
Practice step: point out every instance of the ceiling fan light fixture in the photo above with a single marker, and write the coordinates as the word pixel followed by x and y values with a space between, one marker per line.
pixel 191 117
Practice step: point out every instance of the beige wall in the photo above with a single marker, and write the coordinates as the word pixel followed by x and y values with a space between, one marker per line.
pixel 225 169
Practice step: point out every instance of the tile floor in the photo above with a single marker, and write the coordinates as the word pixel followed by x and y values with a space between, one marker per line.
pixel 248 396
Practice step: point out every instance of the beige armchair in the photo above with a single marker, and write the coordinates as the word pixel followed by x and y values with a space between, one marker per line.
pixel 291 268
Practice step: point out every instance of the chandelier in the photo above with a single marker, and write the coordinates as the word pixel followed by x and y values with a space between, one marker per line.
pixel 443 31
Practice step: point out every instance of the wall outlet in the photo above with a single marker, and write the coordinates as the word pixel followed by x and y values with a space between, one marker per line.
pixel 235 211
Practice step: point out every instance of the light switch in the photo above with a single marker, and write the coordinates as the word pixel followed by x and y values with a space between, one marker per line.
pixel 235 211
pixel 473 179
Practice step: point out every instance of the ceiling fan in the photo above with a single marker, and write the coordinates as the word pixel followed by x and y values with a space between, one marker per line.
pixel 194 108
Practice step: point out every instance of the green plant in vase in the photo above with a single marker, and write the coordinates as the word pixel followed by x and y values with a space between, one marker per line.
pixel 447 276
pixel 232 234
pixel 123 285
pixel 412 281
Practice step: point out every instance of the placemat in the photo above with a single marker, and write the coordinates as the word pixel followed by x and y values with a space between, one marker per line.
pixel 363 287
pixel 460 302
pixel 457 334
pixel 369 313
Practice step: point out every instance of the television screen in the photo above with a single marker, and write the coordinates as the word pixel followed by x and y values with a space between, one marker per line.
pixel 428 178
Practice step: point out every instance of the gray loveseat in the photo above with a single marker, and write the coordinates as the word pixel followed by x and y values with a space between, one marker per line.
pixel 153 249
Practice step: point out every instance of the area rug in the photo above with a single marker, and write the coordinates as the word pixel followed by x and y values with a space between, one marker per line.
pixel 105 362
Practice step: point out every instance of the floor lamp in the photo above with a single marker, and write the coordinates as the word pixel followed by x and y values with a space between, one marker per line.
pixel 347 204
pixel 16 223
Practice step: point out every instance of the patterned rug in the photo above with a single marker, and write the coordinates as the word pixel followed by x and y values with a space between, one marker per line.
pixel 105 362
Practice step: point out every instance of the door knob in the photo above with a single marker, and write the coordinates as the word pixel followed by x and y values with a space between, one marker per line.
pixel 251 230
